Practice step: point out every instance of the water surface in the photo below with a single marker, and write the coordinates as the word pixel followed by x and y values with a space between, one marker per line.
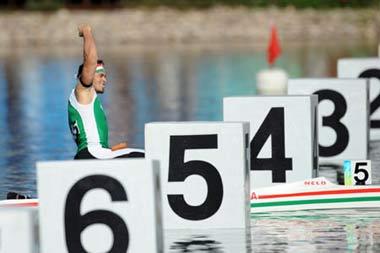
pixel 170 83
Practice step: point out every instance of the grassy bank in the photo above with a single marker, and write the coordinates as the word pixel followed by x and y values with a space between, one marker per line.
pixel 167 25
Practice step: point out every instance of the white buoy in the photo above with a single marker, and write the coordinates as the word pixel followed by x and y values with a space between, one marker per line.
pixel 271 81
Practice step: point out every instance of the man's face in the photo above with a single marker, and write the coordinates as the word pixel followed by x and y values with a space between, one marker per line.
pixel 99 82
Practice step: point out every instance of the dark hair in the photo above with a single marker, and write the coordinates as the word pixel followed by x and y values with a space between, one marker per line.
pixel 80 68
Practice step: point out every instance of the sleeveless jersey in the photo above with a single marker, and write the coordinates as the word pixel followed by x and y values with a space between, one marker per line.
pixel 88 123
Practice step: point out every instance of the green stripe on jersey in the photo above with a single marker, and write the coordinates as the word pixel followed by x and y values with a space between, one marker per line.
pixel 76 127
pixel 101 123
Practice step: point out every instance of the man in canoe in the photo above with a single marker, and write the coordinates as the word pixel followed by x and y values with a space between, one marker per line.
pixel 87 119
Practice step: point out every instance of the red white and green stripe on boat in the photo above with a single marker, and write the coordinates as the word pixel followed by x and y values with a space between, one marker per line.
pixel 317 193
pixel 19 203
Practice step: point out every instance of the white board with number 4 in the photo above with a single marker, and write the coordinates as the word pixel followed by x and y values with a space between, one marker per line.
pixel 99 206
pixel 204 173
pixel 365 68
pixel 283 136
pixel 343 115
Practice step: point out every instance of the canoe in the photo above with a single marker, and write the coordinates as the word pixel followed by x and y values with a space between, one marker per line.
pixel 311 194
pixel 19 203
pixel 316 193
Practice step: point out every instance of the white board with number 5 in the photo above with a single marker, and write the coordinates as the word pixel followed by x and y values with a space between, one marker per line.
pixel 366 68
pixel 99 206
pixel 204 173
pixel 343 115
pixel 283 136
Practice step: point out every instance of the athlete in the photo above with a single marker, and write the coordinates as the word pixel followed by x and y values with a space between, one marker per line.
pixel 87 119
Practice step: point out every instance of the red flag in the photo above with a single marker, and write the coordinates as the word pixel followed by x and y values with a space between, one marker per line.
pixel 274 49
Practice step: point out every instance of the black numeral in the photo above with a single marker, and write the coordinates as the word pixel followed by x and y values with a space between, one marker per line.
pixel 75 223
pixel 375 104
pixel 361 181
pixel 333 121
pixel 180 170
pixel 273 125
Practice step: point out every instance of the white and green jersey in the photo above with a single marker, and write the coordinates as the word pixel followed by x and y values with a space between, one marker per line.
pixel 88 123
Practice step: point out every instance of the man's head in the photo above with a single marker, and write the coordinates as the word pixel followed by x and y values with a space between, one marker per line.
pixel 100 77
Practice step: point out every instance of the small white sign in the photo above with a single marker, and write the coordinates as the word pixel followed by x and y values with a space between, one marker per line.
pixel 343 116
pixel 357 172
pixel 204 173
pixel 99 206
pixel 365 68
pixel 18 230
pixel 283 136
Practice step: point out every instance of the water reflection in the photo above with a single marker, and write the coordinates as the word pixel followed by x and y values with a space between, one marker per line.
pixel 210 240
pixel 197 243
pixel 159 84
pixel 317 231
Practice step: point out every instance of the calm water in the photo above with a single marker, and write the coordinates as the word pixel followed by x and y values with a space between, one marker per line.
pixel 176 84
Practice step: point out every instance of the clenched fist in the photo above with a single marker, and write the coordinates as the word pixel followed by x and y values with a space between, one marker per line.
pixel 82 29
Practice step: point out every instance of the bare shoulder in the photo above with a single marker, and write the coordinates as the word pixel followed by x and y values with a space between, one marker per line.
pixel 84 95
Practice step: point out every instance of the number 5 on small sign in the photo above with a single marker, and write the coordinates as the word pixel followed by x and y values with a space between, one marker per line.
pixel 357 172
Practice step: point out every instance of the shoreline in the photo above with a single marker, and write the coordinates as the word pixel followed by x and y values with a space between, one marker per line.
pixel 171 26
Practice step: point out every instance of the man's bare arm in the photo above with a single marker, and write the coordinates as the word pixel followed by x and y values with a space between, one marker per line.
pixel 90 55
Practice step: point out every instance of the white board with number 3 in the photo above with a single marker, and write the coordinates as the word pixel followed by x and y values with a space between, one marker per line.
pixel 99 206
pixel 283 136
pixel 365 68
pixel 204 173
pixel 342 115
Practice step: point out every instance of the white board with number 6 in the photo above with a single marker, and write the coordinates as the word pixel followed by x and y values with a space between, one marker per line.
pixel 365 68
pixel 18 230
pixel 283 136
pixel 99 206
pixel 204 173
pixel 343 115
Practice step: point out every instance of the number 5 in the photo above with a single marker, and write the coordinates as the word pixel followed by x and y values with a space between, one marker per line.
pixel 180 170
pixel 361 170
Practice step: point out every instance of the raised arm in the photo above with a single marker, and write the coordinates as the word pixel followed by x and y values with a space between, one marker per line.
pixel 84 89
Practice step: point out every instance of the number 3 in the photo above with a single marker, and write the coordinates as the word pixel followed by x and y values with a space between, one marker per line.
pixel 333 121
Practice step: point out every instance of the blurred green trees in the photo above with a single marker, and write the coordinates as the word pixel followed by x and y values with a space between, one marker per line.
pixel 56 4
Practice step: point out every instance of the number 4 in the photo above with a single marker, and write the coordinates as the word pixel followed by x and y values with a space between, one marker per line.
pixel 273 125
